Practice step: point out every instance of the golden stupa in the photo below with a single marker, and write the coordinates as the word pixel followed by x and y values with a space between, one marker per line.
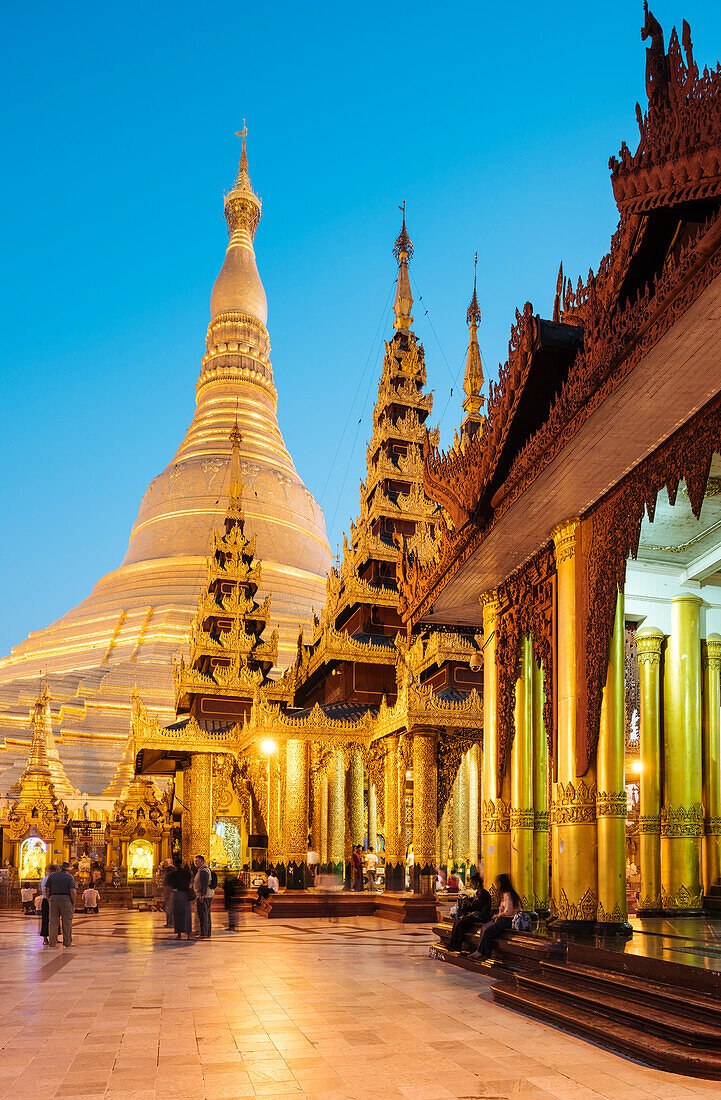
pixel 137 617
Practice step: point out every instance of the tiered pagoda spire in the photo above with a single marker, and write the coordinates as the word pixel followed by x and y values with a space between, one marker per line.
pixel 229 658
pixel 473 378
pixel 36 805
pixel 119 785
pixel 355 633
pixel 43 750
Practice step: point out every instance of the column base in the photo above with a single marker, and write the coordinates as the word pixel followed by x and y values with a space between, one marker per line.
pixel 423 879
pixel 296 877
pixel 335 868
pixel 697 912
pixel 395 877
pixel 650 912
pixel 573 927
pixel 620 929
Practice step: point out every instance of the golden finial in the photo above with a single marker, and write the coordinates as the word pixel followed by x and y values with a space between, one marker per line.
pixel 403 250
pixel 235 492
pixel 473 379
pixel 403 241
pixel 473 313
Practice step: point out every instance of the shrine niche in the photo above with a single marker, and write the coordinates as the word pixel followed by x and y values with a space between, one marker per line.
pixel 141 861
pixel 33 859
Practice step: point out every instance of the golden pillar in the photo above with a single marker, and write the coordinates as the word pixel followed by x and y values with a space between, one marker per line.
pixel 474 808
pixel 296 814
pixel 372 818
pixel 355 782
pixel 460 818
pixel 522 781
pixel 540 795
pixel 443 840
pixel 316 817
pixel 395 863
pixel 323 850
pixel 648 645
pixel 200 805
pixel 682 813
pixel 273 813
pixel 424 811
pixel 611 796
pixel 496 810
pixel 574 811
pixel 712 761
pixel 336 813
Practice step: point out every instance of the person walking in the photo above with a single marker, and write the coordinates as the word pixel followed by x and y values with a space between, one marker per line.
pixel 510 905
pixel 167 870
pixel 204 896
pixel 60 892
pixel 181 885
pixel 233 890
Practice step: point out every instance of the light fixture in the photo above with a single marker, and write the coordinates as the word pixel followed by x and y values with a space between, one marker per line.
pixel 268 746
pixel 636 766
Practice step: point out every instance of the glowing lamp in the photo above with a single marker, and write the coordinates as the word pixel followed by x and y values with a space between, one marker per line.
pixel 268 746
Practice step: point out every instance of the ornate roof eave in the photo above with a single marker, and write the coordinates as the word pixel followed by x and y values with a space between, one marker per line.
pixel 442 647
pixel 337 646
pixel 678 159
pixel 419 706
pixel 616 338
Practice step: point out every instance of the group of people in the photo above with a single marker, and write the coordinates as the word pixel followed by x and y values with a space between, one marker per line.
pixel 54 902
pixel 182 886
pixel 476 910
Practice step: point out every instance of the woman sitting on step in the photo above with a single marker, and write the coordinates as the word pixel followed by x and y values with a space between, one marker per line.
pixel 510 905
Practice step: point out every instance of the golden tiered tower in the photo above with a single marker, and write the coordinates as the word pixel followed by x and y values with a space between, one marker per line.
pixel 229 659
pixel 136 619
pixel 354 635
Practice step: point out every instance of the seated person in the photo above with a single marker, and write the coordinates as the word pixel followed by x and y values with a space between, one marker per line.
pixel 453 883
pixel 91 899
pixel 510 905
pixel 473 910
pixel 28 899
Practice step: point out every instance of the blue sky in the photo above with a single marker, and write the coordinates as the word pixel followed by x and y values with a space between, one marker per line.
pixel 494 122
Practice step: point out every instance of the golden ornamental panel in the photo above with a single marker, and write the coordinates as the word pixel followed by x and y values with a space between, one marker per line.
pixel 574 804
pixel 649 824
pixel 612 804
pixel 682 821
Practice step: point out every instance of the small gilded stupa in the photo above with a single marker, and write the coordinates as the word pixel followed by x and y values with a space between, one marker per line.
pixel 135 622
pixel 229 657
pixel 36 807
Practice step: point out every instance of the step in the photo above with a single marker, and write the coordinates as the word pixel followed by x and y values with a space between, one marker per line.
pixel 652 1050
pixel 640 990
pixel 686 1030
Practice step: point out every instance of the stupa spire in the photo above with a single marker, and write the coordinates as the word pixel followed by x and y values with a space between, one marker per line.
pixel 235 517
pixel 473 378
pixel 38 759
pixel 238 288
pixel 403 251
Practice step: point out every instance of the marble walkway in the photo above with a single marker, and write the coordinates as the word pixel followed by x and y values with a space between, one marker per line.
pixel 319 1009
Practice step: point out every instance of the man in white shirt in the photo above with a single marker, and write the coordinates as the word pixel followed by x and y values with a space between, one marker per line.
pixel 273 883
pixel 91 899
pixel 28 899
pixel 371 861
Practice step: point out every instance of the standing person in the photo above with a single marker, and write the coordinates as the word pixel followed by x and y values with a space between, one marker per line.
pixel 60 892
pixel 472 911
pixel 27 895
pixel 371 864
pixel 357 869
pixel 167 892
pixel 181 886
pixel 45 905
pixel 510 905
pixel 91 899
pixel 204 897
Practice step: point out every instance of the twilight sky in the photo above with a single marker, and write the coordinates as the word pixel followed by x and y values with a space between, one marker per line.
pixel 494 122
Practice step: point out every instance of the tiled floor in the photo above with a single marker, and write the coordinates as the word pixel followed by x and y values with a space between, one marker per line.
pixel 311 1009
